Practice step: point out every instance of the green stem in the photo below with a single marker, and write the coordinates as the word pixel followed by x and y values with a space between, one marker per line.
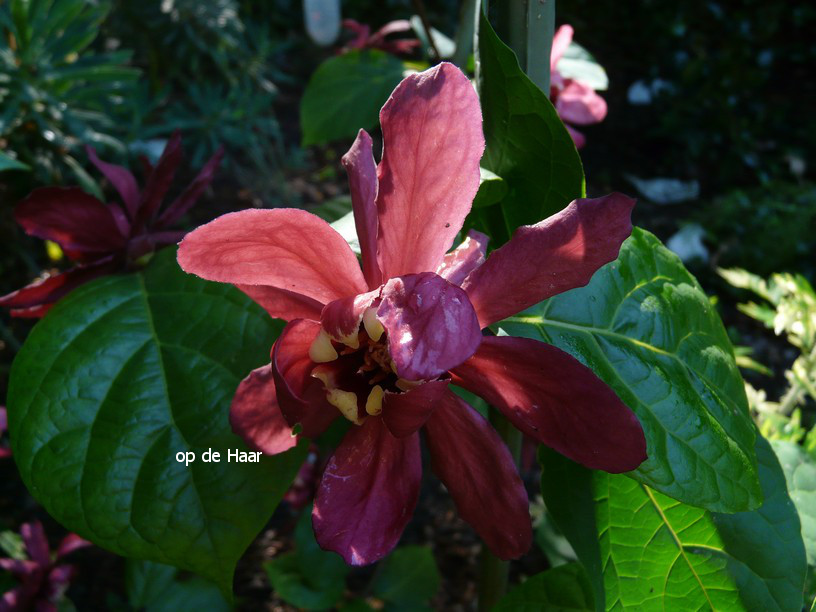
pixel 464 32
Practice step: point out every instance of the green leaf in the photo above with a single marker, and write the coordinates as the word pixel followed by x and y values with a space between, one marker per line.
pixel 655 552
pixel 407 579
pixel 563 589
pixel 345 94
pixel 155 587
pixel 10 163
pixel 492 189
pixel 800 475
pixel 577 63
pixel 645 327
pixel 121 375
pixel 527 144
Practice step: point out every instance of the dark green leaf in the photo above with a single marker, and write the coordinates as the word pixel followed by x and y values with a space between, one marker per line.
pixel 407 579
pixel 800 475
pixel 121 375
pixel 155 587
pixel 645 327
pixel 9 163
pixel 655 552
pixel 345 94
pixel 492 189
pixel 527 144
pixel 565 588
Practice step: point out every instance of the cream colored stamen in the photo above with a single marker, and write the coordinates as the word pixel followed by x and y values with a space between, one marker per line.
pixel 374 402
pixel 346 403
pixel 321 350
pixel 372 325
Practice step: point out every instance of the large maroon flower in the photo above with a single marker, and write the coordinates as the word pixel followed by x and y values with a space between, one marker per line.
pixel 103 238
pixel 42 580
pixel 381 346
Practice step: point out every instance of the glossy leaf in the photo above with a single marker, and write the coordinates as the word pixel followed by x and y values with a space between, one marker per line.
pixel 345 94
pixel 121 375
pixel 644 550
pixel 800 475
pixel 155 587
pixel 407 579
pixel 564 588
pixel 527 144
pixel 646 328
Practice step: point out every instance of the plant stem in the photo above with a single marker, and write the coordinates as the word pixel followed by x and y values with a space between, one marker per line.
pixel 464 32
pixel 419 7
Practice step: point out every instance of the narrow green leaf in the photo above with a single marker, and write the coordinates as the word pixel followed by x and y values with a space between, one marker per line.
pixel 121 375
pixel 645 327
pixel 800 475
pixel 565 588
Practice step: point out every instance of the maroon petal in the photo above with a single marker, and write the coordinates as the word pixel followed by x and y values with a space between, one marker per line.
pixel 19 568
pixel 34 312
pixel 465 258
pixel 284 248
pixel 474 464
pixel 557 254
pixel 282 304
pixel 36 543
pixel 300 396
pixel 71 218
pixel 368 493
pixel 578 103
pixel 190 195
pixel 341 318
pixel 431 325
pixel 121 179
pixel 362 174
pixel 429 173
pixel 555 399
pixel 405 413
pixel 256 416
pixel 48 291
pixel 4 452
pixel 57 583
pixel 159 181
pixel 70 543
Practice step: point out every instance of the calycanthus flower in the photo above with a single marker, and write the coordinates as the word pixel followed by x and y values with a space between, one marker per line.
pixel 382 345
pixel 104 238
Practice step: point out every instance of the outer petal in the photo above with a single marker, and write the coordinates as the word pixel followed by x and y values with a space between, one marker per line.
pixel 579 104
pixel 429 173
pixel 465 258
pixel 256 416
pixel 70 543
pixel 561 40
pixel 405 413
pixel 474 464
pixel 553 398
pixel 190 195
pixel 282 304
pixel 73 219
pixel 284 248
pixel 301 398
pixel 159 181
pixel 557 254
pixel 341 319
pixel 368 493
pixel 431 325
pixel 121 179
pixel 362 174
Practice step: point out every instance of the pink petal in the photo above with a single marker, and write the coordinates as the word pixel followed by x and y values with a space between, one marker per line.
pixel 342 318
pixel 190 195
pixel 121 179
pixel 577 137
pixel 71 218
pixel 282 304
pixel 159 181
pixel 474 464
pixel 405 413
pixel 368 493
pixel 284 248
pixel 19 568
pixel 13 600
pixel 429 173
pixel 70 543
pixel 561 40
pixel 58 581
pixel 300 396
pixel 256 416
pixel 362 174
pixel 431 325
pixel 36 543
pixel 465 258
pixel 550 396
pixel 579 104
pixel 550 257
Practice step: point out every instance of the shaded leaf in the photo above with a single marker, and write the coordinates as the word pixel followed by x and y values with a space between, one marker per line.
pixel 407 579
pixel 800 475
pixel 154 587
pixel 565 588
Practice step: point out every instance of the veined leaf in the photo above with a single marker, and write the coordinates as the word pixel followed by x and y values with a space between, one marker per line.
pixel 800 475
pixel 564 588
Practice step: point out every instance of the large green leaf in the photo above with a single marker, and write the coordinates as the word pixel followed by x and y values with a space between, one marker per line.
pixel 653 552
pixel 562 589
pixel 527 144
pixel 644 325
pixel 121 375
pixel 155 587
pixel 800 474
pixel 345 94
pixel 407 579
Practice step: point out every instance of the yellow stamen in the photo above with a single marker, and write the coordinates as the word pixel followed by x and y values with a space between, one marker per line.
pixel 346 403
pixel 325 375
pixel 374 402
pixel 321 350
pixel 352 341
pixel 372 324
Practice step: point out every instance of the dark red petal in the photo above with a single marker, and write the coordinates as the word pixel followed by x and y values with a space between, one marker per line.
pixel 405 413
pixel 70 543
pixel 301 397
pixel 557 254
pixel 34 312
pixel 121 179
pixel 474 464
pixel 555 399
pixel 362 175
pixel 368 493
pixel 282 304
pixel 465 258
pixel 159 181
pixel 36 543
pixel 256 416
pixel 429 173
pixel 70 217
pixel 431 325
pixel 284 248
pixel 341 318
pixel 190 195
